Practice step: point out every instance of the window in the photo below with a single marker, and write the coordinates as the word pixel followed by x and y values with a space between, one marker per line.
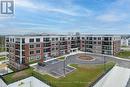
pixel 89 42
pixel 13 39
pixel 37 39
pixel 90 38
pixel 106 43
pixel 56 39
pixel 89 46
pixel 31 52
pixel 23 40
pixel 47 50
pixel 95 38
pixel 45 39
pixel 37 45
pixel 83 38
pixel 99 38
pixel 110 38
pixel 107 38
pixel 99 42
pixel 37 51
pixel 31 46
pixel 23 47
pixel 56 43
pixel 94 42
pixel 38 57
pixel 46 44
pixel 53 48
pixel 31 40
pixel 7 39
pixel 53 39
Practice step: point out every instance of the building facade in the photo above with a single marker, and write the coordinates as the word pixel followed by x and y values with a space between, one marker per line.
pixel 26 49
pixel 124 42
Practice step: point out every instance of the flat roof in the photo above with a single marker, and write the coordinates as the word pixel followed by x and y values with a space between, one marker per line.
pixel 117 77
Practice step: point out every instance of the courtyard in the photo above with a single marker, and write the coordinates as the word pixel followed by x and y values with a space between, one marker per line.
pixel 82 76
pixel 71 72
pixel 61 67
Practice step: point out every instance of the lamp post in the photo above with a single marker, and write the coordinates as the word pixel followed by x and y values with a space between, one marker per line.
pixel 104 61
pixel 64 65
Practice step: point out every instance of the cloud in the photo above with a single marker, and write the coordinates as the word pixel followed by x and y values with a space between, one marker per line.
pixel 68 8
pixel 116 12
pixel 110 17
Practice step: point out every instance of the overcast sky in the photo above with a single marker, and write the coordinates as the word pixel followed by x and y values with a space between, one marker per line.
pixel 91 16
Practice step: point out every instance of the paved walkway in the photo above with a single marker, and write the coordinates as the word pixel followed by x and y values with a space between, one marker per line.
pixel 117 77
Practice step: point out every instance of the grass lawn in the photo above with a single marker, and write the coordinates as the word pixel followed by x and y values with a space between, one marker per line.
pixel 61 58
pixel 2 58
pixel 124 46
pixel 2 49
pixel 81 77
pixel 123 54
pixel 13 77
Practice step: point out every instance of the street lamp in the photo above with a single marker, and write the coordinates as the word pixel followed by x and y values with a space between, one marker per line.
pixel 64 65
pixel 104 61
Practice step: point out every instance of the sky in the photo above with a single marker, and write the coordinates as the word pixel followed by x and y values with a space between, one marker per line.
pixel 63 16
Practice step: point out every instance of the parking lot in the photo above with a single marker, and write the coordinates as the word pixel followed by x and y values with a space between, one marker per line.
pixel 55 68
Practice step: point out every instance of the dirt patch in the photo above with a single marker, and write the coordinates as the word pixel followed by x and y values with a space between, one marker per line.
pixel 83 56
pixel 20 74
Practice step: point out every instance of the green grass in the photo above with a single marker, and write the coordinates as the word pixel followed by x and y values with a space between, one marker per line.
pixel 61 58
pixel 124 46
pixel 2 49
pixel 2 58
pixel 123 54
pixel 81 77
pixel 13 77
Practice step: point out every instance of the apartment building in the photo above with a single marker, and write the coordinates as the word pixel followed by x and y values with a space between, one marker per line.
pixel 26 49
pixel 103 44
